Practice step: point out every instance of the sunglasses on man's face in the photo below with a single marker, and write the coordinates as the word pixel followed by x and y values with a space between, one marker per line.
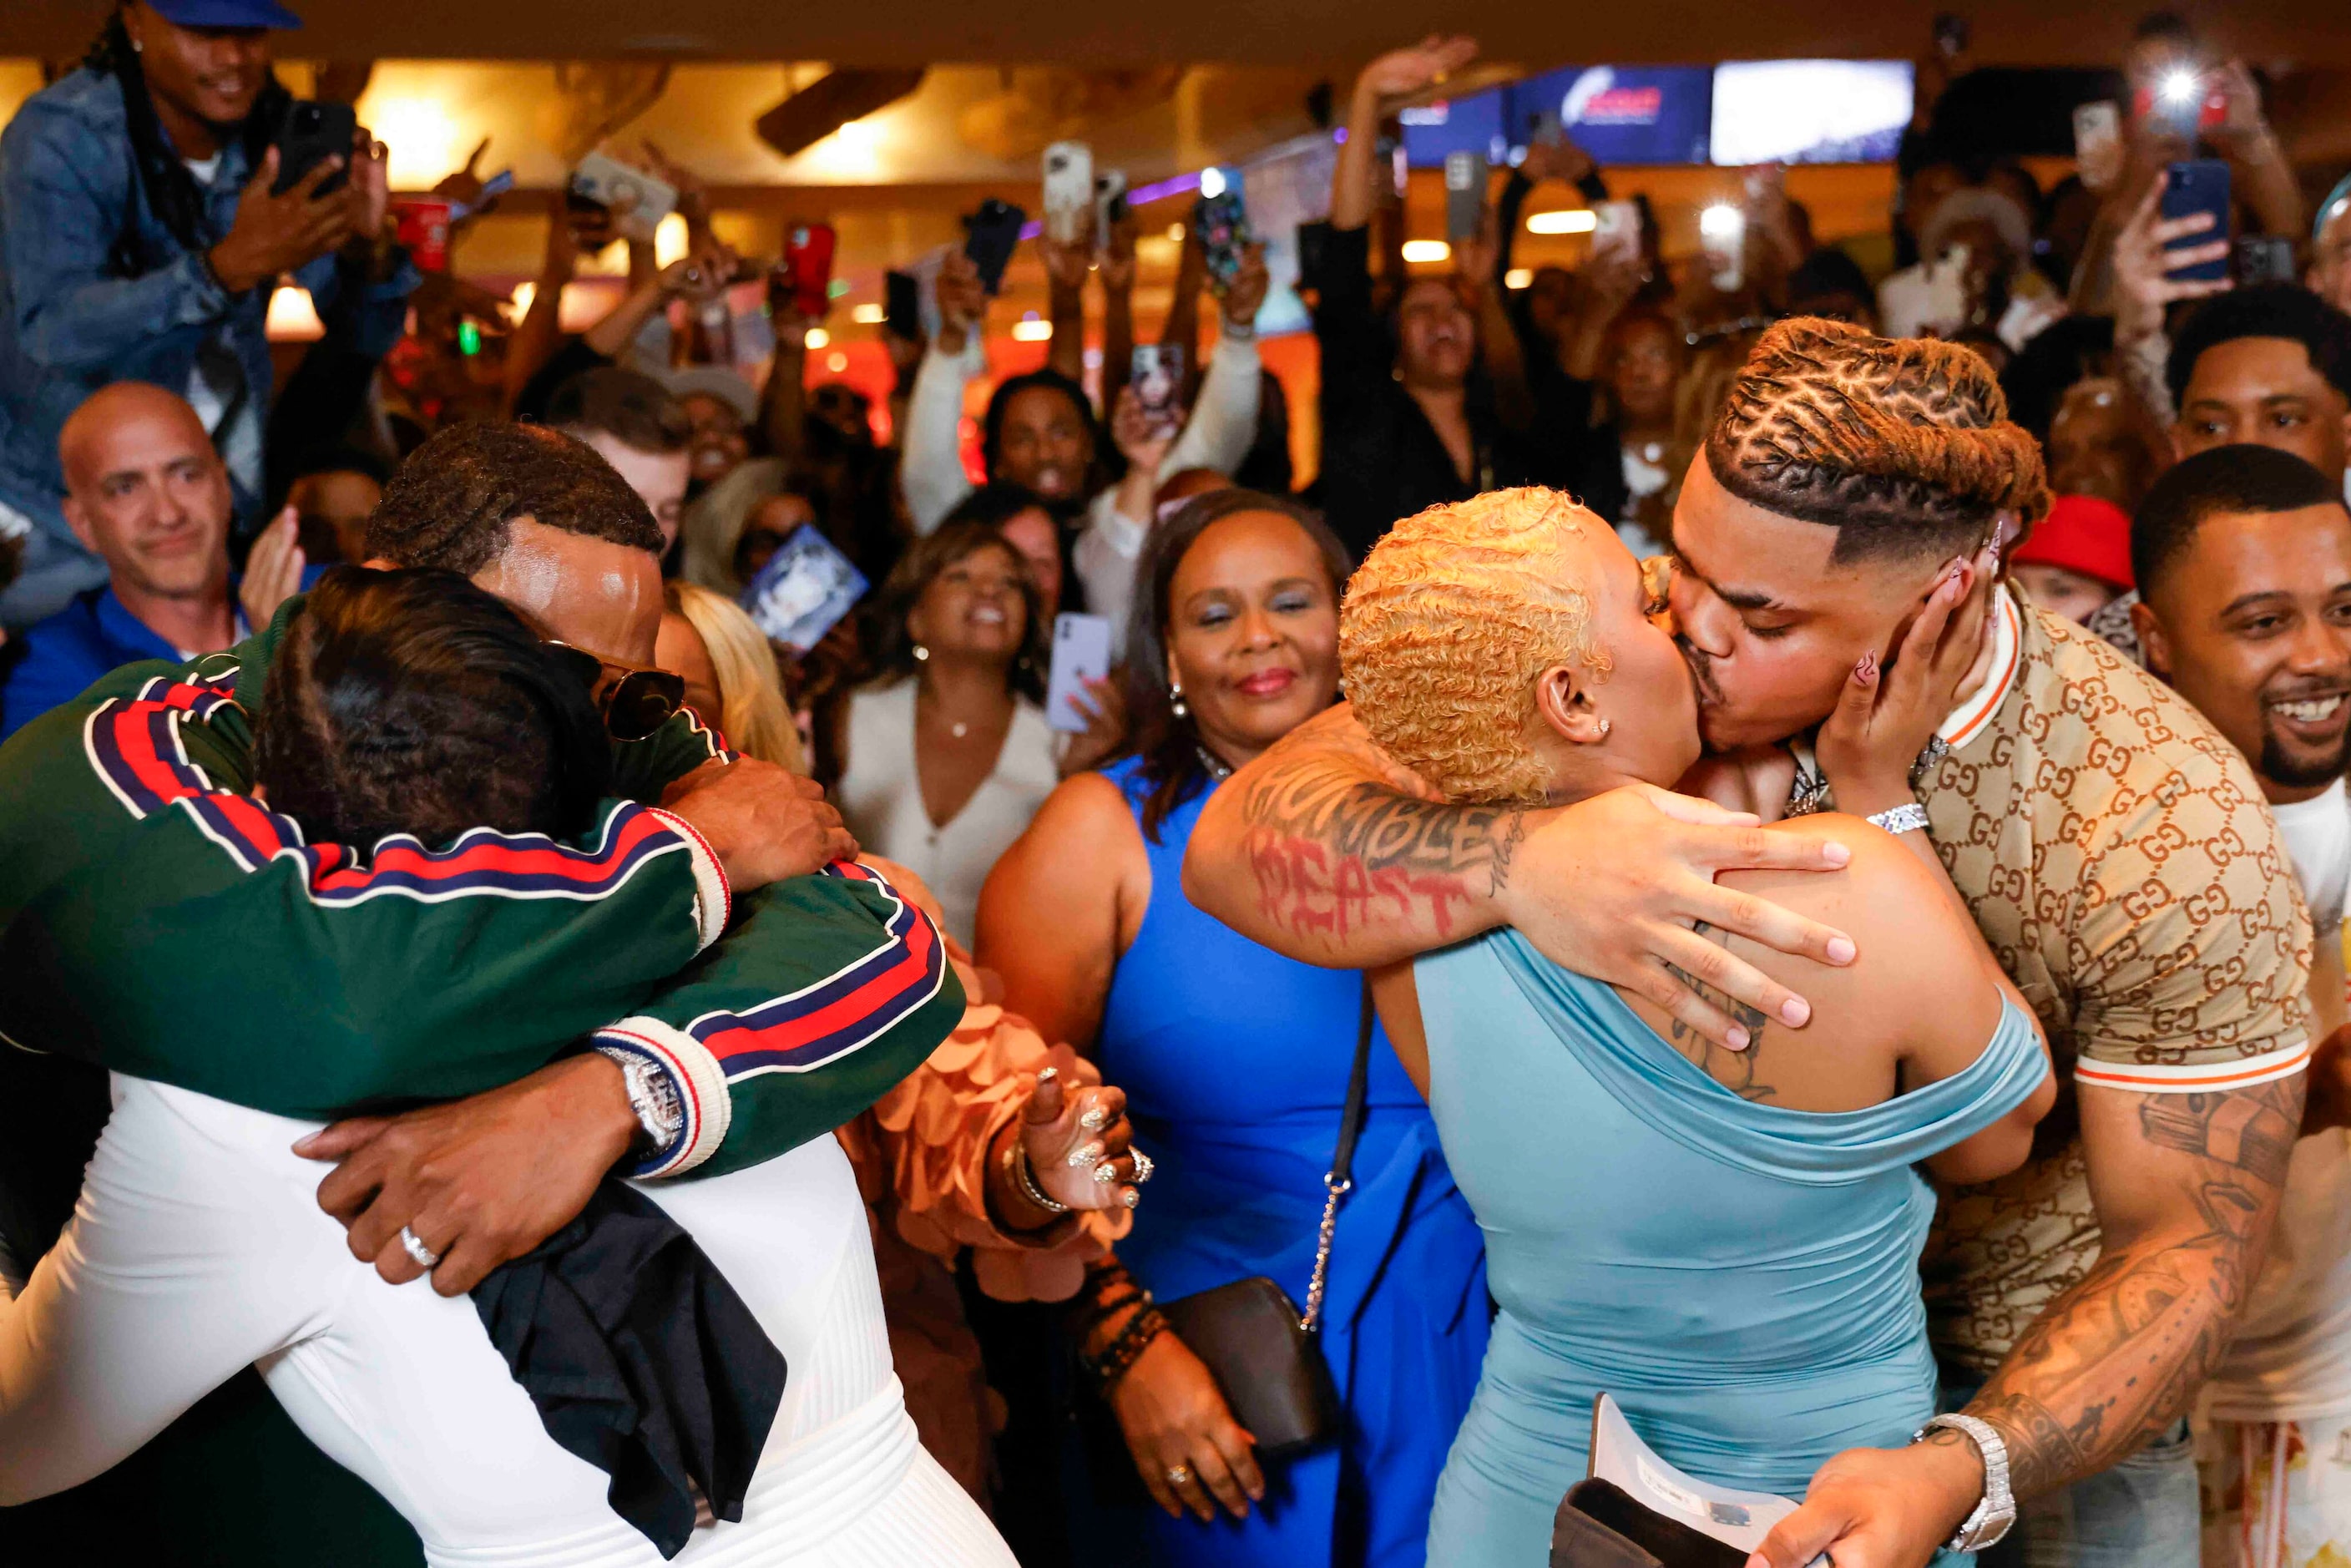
pixel 634 705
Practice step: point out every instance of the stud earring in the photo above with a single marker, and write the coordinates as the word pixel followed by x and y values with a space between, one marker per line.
pixel 922 654
pixel 1605 725
pixel 1175 695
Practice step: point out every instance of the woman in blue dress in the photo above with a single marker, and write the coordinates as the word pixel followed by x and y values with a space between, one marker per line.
pixel 1236 1063
pixel 1726 1242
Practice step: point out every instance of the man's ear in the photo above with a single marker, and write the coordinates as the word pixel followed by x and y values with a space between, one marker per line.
pixel 2155 646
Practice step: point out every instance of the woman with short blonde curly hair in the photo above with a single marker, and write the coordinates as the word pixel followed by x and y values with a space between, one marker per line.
pixel 1725 1242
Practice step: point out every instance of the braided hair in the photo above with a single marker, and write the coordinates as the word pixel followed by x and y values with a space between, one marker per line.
pixel 1905 446
pixel 173 193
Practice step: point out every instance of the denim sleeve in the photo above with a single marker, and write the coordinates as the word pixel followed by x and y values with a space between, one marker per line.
pixel 63 218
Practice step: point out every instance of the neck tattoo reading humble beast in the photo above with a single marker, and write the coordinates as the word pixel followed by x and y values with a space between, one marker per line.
pixel 1734 1069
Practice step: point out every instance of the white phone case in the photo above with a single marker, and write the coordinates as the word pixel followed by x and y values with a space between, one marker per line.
pixel 1069 191
pixel 1080 654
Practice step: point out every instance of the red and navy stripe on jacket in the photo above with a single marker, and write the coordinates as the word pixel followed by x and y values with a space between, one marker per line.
pixel 134 744
pixel 849 1008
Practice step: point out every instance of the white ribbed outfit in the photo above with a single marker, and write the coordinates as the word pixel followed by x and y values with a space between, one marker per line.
pixel 198 1247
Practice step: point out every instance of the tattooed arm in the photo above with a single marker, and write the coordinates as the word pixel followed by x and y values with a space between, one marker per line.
pixel 2186 1186
pixel 1324 850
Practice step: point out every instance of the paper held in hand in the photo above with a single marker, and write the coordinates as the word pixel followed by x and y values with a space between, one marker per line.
pixel 1737 1518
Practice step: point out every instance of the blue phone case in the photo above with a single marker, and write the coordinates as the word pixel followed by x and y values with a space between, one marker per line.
pixel 2201 186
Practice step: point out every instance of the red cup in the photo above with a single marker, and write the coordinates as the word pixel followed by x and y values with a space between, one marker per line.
pixel 424 230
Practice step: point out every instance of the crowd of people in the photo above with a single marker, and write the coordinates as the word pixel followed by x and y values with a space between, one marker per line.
pixel 1765 841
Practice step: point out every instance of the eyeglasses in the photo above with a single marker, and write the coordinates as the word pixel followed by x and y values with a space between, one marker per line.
pixel 636 705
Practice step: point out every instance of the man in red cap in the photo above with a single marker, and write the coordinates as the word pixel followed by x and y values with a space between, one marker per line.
pixel 2078 561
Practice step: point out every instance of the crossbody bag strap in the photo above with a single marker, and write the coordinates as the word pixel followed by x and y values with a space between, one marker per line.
pixel 1341 1179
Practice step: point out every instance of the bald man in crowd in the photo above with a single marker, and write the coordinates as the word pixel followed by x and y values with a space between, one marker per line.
pixel 146 493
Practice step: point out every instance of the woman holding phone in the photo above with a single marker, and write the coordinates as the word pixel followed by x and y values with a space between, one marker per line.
pixel 1236 1065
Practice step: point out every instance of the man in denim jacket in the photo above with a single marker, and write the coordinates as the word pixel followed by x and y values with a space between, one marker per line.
pixel 139 241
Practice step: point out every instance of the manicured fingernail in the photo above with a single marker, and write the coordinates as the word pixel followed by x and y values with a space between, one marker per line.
pixel 1795 1010
pixel 1737 1040
pixel 1841 950
pixel 1131 1198
pixel 1094 1119
pixel 1086 1156
pixel 1048 1075
pixel 1836 853
pixel 1106 1174
pixel 1867 669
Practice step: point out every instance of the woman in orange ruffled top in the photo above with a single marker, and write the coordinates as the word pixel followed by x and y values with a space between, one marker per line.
pixel 960 1153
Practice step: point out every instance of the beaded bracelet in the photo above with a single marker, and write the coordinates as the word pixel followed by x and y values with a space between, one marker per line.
pixel 1102 1308
pixel 1123 1351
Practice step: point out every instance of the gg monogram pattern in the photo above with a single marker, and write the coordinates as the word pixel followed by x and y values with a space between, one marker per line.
pixel 2117 855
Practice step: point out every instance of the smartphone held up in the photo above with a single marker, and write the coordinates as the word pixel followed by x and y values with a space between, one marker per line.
pixel 1069 193
pixel 1157 377
pixel 1221 220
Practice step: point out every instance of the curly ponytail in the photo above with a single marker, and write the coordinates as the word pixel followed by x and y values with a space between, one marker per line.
pixel 1904 445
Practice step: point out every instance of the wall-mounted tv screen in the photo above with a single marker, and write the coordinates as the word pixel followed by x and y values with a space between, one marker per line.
pixel 1809 112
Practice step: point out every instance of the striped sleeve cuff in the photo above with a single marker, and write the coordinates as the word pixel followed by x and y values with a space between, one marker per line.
pixel 700 1084
pixel 714 901
pixel 2197 1077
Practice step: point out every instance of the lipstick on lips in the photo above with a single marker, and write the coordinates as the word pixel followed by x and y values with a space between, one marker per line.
pixel 1266 683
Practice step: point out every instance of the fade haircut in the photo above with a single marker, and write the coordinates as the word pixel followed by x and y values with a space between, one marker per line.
pixel 2285 311
pixel 412 702
pixel 2242 478
pixel 449 504
pixel 1904 446
pixel 1452 619
pixel 627 405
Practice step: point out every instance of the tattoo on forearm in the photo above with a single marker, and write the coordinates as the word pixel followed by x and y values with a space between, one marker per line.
pixel 1334 854
pixel 2115 1359
pixel 1734 1069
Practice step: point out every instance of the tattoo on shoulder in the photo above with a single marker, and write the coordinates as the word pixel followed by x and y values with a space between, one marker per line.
pixel 1331 854
pixel 1734 1069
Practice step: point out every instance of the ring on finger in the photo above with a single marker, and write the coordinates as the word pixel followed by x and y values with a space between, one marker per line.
pixel 1144 1166
pixel 1178 1476
pixel 426 1259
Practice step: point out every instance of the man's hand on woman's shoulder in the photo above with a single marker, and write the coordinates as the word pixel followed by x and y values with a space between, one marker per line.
pixel 764 823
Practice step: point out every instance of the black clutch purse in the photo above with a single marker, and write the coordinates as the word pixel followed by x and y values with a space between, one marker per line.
pixel 1599 1526
pixel 1259 1347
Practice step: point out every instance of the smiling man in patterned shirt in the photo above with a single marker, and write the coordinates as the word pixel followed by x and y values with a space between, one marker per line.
pixel 2112 848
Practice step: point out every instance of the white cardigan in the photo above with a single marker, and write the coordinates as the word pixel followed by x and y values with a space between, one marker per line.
pixel 881 797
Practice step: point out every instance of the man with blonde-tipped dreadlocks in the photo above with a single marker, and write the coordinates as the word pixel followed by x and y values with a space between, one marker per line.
pixel 1855 495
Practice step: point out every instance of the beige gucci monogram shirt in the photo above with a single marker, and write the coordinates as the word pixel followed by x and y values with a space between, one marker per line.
pixel 2119 859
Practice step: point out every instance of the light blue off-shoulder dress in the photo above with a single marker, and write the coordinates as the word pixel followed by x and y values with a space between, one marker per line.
pixel 1742 1278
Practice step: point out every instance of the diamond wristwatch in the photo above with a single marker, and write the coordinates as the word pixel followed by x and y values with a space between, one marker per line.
pixel 652 1095
pixel 1997 1510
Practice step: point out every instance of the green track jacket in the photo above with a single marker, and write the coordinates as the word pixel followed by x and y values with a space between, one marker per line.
pixel 157 920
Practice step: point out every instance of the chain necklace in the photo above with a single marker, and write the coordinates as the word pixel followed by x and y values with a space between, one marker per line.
pixel 1219 768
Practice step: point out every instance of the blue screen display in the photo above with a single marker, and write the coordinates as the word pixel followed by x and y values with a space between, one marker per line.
pixel 1620 114
pixel 1472 124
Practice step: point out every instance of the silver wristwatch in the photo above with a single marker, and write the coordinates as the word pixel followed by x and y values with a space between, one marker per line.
pixel 652 1095
pixel 1997 1512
